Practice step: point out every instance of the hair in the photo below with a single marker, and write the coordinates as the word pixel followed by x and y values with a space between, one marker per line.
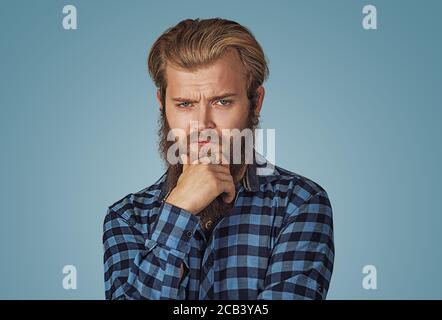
pixel 195 43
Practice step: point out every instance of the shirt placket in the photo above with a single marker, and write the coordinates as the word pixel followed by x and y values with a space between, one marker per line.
pixel 207 276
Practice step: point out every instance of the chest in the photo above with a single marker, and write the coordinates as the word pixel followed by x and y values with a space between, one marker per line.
pixel 232 262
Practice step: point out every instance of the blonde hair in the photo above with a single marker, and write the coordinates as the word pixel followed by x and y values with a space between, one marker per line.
pixel 194 43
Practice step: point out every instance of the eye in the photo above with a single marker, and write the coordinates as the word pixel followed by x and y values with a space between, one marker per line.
pixel 224 102
pixel 184 104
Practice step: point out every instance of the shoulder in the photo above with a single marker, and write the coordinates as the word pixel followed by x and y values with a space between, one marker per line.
pixel 135 208
pixel 302 186
pixel 300 191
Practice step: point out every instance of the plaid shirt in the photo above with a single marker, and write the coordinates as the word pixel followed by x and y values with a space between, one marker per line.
pixel 275 243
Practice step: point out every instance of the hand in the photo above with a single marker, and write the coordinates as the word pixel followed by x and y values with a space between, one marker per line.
pixel 200 183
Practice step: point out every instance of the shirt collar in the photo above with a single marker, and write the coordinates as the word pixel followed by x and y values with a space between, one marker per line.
pixel 259 173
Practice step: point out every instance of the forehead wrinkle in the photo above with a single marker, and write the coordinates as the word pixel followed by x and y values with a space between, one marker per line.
pixel 198 94
pixel 215 79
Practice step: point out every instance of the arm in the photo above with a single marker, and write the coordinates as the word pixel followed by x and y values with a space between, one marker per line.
pixel 153 268
pixel 139 268
pixel 301 263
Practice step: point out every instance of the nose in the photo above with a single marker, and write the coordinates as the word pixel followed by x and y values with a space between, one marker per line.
pixel 205 120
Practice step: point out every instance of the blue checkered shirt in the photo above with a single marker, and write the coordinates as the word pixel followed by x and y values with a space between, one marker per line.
pixel 275 243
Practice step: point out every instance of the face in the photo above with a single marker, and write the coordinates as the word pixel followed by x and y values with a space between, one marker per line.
pixel 215 96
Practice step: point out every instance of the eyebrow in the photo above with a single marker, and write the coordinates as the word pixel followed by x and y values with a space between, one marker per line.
pixel 222 96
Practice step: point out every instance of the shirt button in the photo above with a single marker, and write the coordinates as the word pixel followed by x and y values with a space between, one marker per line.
pixel 189 234
pixel 209 224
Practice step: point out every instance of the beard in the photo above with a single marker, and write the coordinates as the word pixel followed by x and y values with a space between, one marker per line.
pixel 216 209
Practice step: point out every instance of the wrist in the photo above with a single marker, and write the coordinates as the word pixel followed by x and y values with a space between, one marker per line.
pixel 177 201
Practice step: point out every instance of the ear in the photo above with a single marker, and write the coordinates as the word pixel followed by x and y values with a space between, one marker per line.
pixel 259 99
pixel 159 99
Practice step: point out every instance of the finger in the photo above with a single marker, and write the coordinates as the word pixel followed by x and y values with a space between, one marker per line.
pixel 226 186
pixel 215 158
pixel 185 161
pixel 229 189
pixel 219 168
pixel 223 176
pixel 207 160
pixel 203 160
pixel 222 159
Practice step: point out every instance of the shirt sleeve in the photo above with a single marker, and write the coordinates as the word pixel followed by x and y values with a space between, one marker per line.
pixel 136 267
pixel 301 262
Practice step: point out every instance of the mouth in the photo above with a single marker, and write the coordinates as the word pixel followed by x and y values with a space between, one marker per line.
pixel 203 142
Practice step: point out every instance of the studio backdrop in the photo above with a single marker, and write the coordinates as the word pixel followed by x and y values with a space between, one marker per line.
pixel 354 97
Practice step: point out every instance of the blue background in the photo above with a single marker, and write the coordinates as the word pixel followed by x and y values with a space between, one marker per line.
pixel 356 111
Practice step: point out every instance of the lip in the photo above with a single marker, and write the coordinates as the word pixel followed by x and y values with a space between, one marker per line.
pixel 201 143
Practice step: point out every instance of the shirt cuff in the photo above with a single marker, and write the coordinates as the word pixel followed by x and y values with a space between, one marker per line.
pixel 174 227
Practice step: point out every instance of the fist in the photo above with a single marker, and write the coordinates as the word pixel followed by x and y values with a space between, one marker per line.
pixel 200 183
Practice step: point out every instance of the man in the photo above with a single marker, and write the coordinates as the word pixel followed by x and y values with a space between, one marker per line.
pixel 216 229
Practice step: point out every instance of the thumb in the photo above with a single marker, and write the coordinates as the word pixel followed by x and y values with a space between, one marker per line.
pixel 185 161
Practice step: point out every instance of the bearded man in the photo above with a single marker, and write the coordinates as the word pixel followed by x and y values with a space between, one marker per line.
pixel 211 227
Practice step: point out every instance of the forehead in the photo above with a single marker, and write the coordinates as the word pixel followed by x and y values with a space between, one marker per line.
pixel 225 74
